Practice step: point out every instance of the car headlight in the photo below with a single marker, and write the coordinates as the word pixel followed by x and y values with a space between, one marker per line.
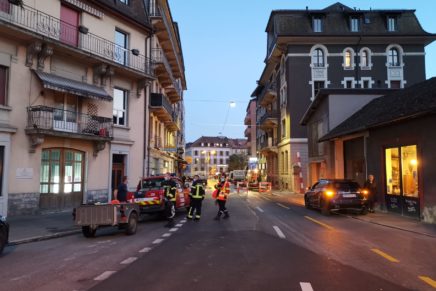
pixel 329 193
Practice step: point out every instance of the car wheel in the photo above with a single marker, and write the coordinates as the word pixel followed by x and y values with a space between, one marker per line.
pixel 3 240
pixel 132 225
pixel 89 231
pixel 325 210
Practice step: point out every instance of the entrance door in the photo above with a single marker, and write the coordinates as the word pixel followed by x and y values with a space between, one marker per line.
pixel 69 33
pixel 61 178
pixel 118 167
pixel 402 196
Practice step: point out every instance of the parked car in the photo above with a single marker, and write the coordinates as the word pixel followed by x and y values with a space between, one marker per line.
pixel 4 233
pixel 336 194
pixel 150 195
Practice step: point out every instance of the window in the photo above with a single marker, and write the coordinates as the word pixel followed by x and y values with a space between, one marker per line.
pixel 120 53
pixel 221 161
pixel 284 128
pixel 354 24
pixel 61 171
pixel 393 57
pixel 125 2
pixel 392 23
pixel 349 84
pixel 365 84
pixel 401 165
pixel 120 107
pixel 221 153
pixel 364 58
pixel 348 61
pixel 283 96
pixel 316 86
pixel 317 24
pixel 3 85
pixel 227 154
pixel 318 58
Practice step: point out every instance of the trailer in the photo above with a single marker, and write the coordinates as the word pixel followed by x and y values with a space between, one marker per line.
pixel 91 217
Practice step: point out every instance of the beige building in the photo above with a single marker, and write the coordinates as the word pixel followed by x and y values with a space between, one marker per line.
pixel 166 120
pixel 75 80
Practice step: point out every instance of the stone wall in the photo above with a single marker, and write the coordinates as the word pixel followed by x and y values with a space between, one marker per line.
pixel 23 204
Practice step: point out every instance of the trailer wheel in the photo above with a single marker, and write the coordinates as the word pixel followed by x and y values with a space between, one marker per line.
pixel 132 224
pixel 89 231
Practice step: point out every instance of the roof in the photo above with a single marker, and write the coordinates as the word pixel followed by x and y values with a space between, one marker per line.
pixel 212 140
pixel 414 101
pixel 61 84
pixel 238 143
pixel 323 93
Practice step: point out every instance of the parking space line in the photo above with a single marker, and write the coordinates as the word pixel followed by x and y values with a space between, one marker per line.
pixel 279 232
pixel 128 260
pixel 104 275
pixel 319 222
pixel 259 209
pixel 157 241
pixel 283 206
pixel 385 255
pixel 428 280
pixel 174 229
pixel 145 250
pixel 167 234
pixel 306 286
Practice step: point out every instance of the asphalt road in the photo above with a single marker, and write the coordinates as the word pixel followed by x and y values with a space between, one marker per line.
pixel 266 244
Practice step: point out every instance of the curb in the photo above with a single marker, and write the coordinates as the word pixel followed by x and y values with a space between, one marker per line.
pixel 44 237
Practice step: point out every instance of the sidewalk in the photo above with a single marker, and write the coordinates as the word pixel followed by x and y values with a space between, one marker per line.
pixel 380 217
pixel 24 229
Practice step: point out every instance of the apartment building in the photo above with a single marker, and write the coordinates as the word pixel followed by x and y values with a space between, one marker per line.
pixel 334 47
pixel 250 129
pixel 73 80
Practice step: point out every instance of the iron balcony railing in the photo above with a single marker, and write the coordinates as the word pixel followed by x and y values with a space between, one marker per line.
pixel 159 57
pixel 59 120
pixel 267 94
pixel 160 100
pixel 268 143
pixel 274 115
pixel 153 8
pixel 53 28
pixel 157 142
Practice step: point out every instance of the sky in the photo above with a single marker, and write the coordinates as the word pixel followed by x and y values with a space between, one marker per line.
pixel 224 46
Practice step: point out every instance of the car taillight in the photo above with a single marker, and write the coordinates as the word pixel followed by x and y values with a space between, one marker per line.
pixel 329 193
pixel 364 192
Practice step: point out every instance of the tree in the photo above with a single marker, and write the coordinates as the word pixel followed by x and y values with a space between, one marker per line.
pixel 237 162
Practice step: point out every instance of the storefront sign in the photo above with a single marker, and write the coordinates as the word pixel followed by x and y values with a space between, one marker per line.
pixel 24 173
pixel 411 206
pixel 393 203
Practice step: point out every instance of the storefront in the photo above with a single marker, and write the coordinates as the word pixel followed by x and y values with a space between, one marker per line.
pixel 401 180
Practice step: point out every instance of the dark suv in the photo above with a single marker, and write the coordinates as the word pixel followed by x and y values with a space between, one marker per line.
pixel 4 233
pixel 336 194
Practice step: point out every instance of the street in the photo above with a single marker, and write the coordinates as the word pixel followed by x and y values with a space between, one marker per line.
pixel 267 243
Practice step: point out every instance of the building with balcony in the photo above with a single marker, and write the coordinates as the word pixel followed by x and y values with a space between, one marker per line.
pixel 335 47
pixel 73 78
pixel 167 114
pixel 250 130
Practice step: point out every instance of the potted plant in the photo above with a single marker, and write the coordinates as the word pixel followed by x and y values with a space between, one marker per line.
pixel 83 29
pixel 135 52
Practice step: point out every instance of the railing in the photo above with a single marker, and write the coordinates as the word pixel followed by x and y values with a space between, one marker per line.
pixel 157 141
pixel 159 57
pixel 269 115
pixel 160 100
pixel 153 8
pixel 53 119
pixel 269 89
pixel 268 143
pixel 50 27
pixel 247 132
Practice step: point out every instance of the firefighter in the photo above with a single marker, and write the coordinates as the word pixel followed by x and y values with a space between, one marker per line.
pixel 197 197
pixel 221 199
pixel 170 189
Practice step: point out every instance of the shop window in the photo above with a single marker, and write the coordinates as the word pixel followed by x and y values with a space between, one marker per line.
pixel 402 171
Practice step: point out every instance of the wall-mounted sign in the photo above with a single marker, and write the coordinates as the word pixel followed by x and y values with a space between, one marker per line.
pixel 24 173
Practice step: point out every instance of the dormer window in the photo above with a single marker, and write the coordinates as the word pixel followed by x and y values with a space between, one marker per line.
pixel 125 2
pixel 354 24
pixel 317 24
pixel 392 23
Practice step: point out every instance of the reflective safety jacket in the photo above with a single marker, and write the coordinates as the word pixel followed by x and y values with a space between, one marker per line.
pixel 226 187
pixel 197 191
pixel 170 189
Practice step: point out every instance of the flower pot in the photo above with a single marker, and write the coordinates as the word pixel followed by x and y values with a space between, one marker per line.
pixel 83 29
pixel 135 52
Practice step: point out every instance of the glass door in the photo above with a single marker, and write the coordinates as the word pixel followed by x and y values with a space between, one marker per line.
pixel 65 114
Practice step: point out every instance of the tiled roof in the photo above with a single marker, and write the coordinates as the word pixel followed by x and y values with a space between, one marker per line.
pixel 414 101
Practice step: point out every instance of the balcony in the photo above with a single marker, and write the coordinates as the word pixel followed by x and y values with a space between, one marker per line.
pixel 247 132
pixel 268 95
pixel 247 120
pixel 164 72
pixel 43 120
pixel 268 145
pixel 269 120
pixel 64 35
pixel 161 107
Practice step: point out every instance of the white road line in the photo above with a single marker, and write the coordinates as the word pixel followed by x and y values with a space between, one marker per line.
pixel 145 250
pixel 157 241
pixel 167 234
pixel 104 275
pixel 306 286
pixel 283 206
pixel 179 225
pixel 174 229
pixel 183 221
pixel 259 209
pixel 279 232
pixel 128 260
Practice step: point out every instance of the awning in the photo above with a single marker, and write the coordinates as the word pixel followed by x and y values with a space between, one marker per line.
pixel 61 84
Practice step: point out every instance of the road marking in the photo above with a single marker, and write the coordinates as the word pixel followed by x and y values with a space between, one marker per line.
pixel 167 234
pixel 157 241
pixel 428 280
pixel 385 255
pixel 319 222
pixel 104 275
pixel 279 232
pixel 266 198
pixel 179 225
pixel 183 221
pixel 174 229
pixel 283 206
pixel 145 250
pixel 259 209
pixel 306 286
pixel 128 260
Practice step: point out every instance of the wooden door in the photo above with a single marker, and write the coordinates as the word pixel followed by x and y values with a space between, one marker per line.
pixel 69 33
